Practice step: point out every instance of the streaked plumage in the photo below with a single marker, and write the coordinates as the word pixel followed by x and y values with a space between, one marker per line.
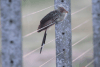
pixel 49 20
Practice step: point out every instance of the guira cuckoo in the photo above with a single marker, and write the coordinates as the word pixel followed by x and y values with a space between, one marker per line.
pixel 49 20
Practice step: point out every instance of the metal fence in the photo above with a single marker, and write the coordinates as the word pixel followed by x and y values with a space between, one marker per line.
pixel 73 46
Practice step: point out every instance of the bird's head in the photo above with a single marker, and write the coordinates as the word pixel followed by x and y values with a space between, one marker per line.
pixel 62 10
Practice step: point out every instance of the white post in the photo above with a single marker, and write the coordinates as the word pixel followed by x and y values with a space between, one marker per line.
pixel 96 31
pixel 11 33
pixel 63 37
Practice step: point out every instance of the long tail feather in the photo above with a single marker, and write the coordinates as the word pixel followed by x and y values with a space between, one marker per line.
pixel 43 41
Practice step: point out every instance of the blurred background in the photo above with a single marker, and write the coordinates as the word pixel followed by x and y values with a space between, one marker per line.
pixel 30 23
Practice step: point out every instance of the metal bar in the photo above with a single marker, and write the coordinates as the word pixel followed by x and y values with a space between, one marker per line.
pixel 96 31
pixel 63 43
pixel 11 33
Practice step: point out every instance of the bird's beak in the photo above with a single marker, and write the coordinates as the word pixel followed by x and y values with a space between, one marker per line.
pixel 66 11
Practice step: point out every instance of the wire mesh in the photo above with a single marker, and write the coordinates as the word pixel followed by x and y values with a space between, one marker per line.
pixel 32 15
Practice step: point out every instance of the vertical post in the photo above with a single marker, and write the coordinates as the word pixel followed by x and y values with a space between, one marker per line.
pixel 63 37
pixel 11 33
pixel 96 31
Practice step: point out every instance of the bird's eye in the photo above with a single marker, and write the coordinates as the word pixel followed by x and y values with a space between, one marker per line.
pixel 62 0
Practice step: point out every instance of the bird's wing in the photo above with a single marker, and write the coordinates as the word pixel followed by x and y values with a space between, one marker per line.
pixel 48 19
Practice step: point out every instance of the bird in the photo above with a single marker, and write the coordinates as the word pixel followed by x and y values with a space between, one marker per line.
pixel 50 19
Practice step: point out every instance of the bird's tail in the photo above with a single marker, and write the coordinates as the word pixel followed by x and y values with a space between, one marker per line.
pixel 43 41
